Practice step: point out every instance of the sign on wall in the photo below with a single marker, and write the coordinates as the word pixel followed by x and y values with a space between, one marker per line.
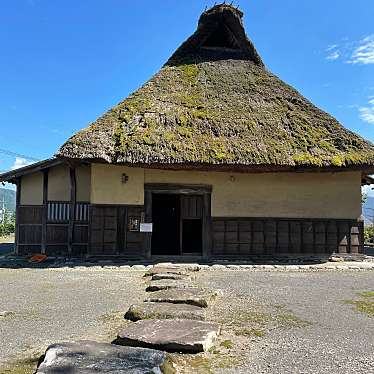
pixel 146 227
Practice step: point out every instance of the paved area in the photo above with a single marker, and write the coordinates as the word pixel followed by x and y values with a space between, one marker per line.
pixel 299 322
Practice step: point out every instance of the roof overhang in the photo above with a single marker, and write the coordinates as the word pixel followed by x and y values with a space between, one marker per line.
pixel 367 180
pixel 13 175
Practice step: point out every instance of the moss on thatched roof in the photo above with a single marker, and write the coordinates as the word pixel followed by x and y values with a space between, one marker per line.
pixel 214 103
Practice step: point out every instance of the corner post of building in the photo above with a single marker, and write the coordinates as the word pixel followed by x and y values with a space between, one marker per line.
pixel 18 202
pixel 73 197
pixel 45 211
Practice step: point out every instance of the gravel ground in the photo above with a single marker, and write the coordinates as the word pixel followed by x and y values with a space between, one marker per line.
pixel 273 322
pixel 49 306
pixel 307 326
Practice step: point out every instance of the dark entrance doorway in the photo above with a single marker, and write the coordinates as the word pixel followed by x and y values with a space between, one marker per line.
pixel 177 224
pixel 166 224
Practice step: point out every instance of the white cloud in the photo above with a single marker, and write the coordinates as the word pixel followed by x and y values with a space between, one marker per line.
pixel 367 112
pixel 334 55
pixel 368 190
pixel 364 52
pixel 333 52
pixel 331 47
pixel 20 163
pixel 352 52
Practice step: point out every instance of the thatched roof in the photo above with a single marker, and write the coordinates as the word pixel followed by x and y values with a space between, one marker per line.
pixel 215 104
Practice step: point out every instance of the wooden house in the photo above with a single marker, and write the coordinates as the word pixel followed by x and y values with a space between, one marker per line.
pixel 213 157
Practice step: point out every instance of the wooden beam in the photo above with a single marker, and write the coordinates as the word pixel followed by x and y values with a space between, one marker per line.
pixel 180 189
pixel 18 203
pixel 73 197
pixel 45 211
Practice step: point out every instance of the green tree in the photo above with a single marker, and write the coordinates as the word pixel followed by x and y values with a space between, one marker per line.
pixel 9 224
pixel 368 233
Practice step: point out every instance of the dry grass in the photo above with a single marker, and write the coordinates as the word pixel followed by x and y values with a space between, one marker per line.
pixel 22 366
pixel 366 305
pixel 7 239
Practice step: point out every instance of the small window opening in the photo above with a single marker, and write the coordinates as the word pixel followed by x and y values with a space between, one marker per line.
pixel 222 37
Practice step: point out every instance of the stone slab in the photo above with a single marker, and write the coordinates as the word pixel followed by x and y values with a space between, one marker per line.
pixel 88 357
pixel 171 335
pixel 184 266
pixel 167 269
pixel 162 284
pixel 164 311
pixel 193 296
pixel 160 276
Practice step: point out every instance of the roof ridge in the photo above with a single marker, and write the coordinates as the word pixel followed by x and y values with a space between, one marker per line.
pixel 220 34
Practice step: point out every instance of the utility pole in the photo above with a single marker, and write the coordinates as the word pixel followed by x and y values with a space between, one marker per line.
pixel 3 215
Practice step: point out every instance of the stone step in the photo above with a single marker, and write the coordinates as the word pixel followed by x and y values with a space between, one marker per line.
pixel 90 357
pixel 164 311
pixel 162 284
pixel 171 335
pixel 171 276
pixel 193 296
pixel 168 270
pixel 182 266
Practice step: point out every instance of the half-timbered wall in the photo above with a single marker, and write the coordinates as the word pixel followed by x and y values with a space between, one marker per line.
pixel 44 215
pixel 252 214
pixel 59 183
pixel 32 189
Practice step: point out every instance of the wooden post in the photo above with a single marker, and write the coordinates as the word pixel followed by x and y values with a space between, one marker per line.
pixel 18 202
pixel 148 218
pixel 73 196
pixel 45 212
pixel 207 226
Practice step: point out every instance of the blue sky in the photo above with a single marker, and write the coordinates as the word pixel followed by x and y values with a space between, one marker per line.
pixel 65 62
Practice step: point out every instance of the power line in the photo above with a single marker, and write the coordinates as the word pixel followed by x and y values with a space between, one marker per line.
pixel 14 154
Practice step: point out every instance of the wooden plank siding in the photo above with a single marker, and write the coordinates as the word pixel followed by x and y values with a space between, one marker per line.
pixel 273 236
pixel 30 228
pixel 110 235
pixel 103 230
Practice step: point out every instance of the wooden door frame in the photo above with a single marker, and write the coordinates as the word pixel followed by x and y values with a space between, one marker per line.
pixel 181 189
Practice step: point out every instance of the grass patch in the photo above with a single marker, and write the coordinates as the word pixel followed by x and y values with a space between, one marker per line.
pixel 291 320
pixel 256 317
pixel 366 305
pixel 204 363
pixel 28 315
pixel 228 344
pixel 22 366
pixel 362 306
pixel 6 315
pixel 111 316
pixel 112 323
pixel 250 332
pixel 366 294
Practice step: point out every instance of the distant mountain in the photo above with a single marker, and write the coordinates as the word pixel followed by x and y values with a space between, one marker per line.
pixel 9 198
pixel 368 210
